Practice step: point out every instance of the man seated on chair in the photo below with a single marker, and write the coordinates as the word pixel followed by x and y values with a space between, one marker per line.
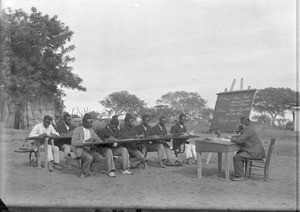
pixel 66 128
pixel 128 130
pixel 161 130
pixel 250 148
pixel 111 132
pixel 43 130
pixel 153 146
pixel 56 120
pixel 87 153
pixel 180 129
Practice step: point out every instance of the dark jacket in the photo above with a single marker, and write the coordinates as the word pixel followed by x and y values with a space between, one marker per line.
pixel 128 132
pixel 159 130
pixel 176 130
pixel 140 130
pixel 106 132
pixel 249 142
pixel 62 129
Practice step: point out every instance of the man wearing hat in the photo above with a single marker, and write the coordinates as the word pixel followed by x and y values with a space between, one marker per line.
pixel 128 131
pixel 81 135
pixel 43 130
pixel 111 132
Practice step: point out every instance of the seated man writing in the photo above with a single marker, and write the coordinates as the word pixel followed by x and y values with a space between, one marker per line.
pixel 180 129
pixel 145 129
pixel 43 130
pixel 111 132
pixel 82 135
pixel 128 130
pixel 161 130
pixel 250 148
pixel 66 128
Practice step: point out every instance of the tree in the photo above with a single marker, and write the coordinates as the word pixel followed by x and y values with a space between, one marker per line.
pixel 189 103
pixel 34 57
pixel 167 111
pixel 118 103
pixel 262 119
pixel 274 101
pixel 96 115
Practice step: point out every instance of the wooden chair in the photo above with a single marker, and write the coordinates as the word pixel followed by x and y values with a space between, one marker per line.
pixel 260 165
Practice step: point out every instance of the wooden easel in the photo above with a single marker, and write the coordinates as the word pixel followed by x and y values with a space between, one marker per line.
pixel 219 133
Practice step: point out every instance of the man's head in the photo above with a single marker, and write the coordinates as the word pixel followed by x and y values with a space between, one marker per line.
pixel 162 121
pixel 87 121
pixel 182 119
pixel 114 122
pixel 57 118
pixel 46 121
pixel 129 119
pixel 244 122
pixel 67 119
pixel 145 120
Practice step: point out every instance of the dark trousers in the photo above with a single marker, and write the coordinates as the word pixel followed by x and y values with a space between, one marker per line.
pixel 87 158
pixel 238 162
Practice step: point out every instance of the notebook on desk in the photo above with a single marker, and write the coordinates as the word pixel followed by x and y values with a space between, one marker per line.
pixel 218 140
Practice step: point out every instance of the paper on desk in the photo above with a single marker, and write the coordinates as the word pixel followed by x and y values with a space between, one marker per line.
pixel 220 140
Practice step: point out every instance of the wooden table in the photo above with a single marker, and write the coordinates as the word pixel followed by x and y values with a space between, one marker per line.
pixel 142 139
pixel 67 140
pixel 44 140
pixel 218 145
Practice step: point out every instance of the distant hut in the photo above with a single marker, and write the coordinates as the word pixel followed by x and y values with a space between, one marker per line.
pixel 27 114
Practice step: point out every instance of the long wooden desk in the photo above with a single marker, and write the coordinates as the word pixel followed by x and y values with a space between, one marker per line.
pixel 67 140
pixel 215 145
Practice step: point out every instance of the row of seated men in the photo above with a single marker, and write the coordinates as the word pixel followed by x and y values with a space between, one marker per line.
pixel 132 155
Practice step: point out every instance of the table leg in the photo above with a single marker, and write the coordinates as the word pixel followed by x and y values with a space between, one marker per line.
pixel 38 145
pixel 208 158
pixel 46 153
pixel 219 162
pixel 199 165
pixel 226 166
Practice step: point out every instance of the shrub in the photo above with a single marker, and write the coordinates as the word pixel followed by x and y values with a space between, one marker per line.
pixel 290 125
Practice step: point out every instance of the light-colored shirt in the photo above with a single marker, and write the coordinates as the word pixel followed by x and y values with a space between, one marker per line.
pixel 160 127
pixel 87 134
pixel 40 129
pixel 67 127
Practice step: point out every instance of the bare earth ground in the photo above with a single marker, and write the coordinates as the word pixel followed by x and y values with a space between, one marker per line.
pixel 153 188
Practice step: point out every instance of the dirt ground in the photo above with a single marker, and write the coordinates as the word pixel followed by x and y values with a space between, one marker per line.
pixel 25 188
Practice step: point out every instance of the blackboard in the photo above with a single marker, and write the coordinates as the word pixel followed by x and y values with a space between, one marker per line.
pixel 230 106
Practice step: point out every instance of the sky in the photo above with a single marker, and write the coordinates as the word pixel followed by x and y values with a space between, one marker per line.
pixel 152 47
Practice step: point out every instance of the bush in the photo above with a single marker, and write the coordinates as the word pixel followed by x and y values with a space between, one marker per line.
pixel 290 125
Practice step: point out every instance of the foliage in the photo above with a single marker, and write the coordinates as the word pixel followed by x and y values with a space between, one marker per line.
pixel 289 125
pixel 274 101
pixel 189 103
pixel 118 103
pixel 262 119
pixel 59 104
pixel 34 56
pixel 167 111
pixel 96 115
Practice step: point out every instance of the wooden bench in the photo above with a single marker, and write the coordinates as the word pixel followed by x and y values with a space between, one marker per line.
pixel 32 161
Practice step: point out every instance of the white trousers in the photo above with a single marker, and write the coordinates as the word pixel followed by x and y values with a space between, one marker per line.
pixel 53 153
pixel 190 151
